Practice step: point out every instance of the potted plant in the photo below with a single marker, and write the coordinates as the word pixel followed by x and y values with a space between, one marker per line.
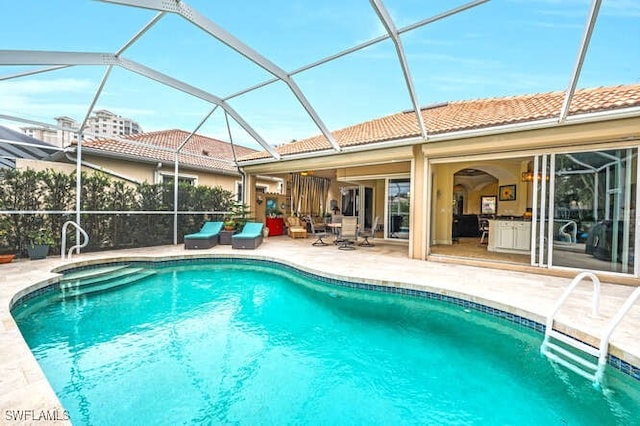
pixel 39 243
pixel 274 212
pixel 229 223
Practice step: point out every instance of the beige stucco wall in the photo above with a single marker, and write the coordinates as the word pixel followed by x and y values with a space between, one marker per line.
pixel 560 137
pixel 145 172
pixel 368 171
pixel 37 165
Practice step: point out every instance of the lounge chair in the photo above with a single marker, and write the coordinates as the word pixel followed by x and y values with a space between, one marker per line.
pixel 249 238
pixel 206 238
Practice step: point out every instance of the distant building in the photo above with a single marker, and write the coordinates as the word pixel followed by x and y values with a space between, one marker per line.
pixel 105 124
pixel 101 124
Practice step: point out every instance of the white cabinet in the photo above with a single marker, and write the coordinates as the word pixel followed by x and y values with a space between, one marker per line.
pixel 509 236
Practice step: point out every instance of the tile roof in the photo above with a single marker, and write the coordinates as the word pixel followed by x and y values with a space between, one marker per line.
pixel 467 115
pixel 217 151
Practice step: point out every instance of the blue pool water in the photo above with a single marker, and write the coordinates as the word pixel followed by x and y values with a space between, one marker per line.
pixel 259 344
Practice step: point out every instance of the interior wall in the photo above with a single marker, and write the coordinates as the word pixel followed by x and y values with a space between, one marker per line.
pixel 506 172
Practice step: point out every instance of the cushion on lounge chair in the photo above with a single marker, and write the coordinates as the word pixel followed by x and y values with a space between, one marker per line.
pixel 249 238
pixel 207 237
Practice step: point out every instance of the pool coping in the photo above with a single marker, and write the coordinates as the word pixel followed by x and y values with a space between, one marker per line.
pixel 30 389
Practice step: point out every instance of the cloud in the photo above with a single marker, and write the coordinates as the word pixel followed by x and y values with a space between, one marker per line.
pixel 40 99
pixel 45 86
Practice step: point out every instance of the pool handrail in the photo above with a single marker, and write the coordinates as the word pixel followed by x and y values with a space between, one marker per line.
pixel 76 247
pixel 562 356
pixel 606 336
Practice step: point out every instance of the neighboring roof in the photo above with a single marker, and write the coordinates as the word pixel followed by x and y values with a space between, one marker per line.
pixel 467 115
pixel 208 152
pixel 9 152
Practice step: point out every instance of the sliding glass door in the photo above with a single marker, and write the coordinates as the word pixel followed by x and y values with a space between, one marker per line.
pixel 584 214
pixel 397 209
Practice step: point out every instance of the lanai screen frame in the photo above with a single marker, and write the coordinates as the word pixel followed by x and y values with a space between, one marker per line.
pixel 53 61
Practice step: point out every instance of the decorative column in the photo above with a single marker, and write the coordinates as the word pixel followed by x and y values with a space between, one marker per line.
pixel 419 209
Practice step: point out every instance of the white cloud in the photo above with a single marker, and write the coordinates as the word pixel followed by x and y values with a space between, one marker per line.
pixel 45 86
pixel 40 99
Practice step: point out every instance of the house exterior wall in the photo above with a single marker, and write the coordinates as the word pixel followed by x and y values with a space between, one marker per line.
pixel 362 172
pixel 39 165
pixel 503 155
pixel 143 172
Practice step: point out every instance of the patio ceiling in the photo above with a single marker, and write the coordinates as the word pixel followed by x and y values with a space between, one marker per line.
pixel 51 61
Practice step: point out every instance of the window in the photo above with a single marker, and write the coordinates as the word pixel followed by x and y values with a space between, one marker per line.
pixel 239 192
pixel 182 178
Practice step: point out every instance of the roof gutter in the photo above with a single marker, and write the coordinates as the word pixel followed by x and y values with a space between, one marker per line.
pixel 593 117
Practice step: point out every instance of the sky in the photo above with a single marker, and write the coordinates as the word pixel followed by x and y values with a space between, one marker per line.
pixel 499 48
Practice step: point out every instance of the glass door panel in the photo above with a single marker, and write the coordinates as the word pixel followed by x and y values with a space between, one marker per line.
pixel 592 214
pixel 398 202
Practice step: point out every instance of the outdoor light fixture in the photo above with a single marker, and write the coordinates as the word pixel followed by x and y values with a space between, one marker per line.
pixel 259 199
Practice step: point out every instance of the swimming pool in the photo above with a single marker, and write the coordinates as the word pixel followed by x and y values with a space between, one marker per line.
pixel 236 341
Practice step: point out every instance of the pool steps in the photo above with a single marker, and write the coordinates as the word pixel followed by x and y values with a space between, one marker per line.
pixel 101 279
pixel 585 360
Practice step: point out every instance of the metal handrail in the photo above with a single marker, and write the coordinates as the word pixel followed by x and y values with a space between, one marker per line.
pixel 574 283
pixel 64 239
pixel 604 342
pixel 549 333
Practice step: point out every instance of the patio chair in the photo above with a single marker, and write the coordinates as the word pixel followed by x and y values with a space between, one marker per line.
pixel 483 228
pixel 249 238
pixel 348 233
pixel 295 228
pixel 319 234
pixel 369 234
pixel 207 237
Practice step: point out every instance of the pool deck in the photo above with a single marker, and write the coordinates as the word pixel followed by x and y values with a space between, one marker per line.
pixel 24 387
